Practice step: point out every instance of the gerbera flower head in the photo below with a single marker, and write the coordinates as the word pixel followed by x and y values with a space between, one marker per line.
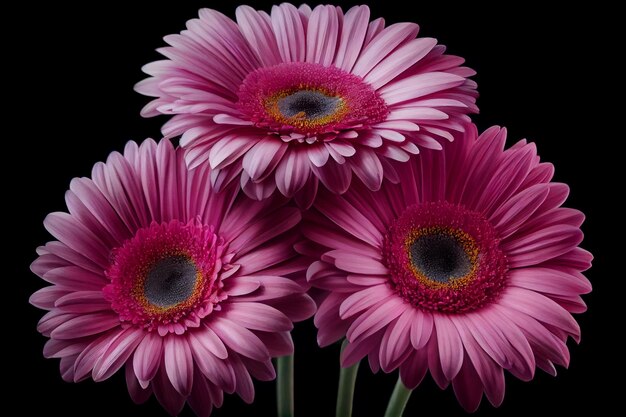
pixel 191 291
pixel 288 99
pixel 467 267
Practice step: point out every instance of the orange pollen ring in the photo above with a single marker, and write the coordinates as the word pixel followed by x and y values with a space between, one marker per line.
pixel 300 120
pixel 466 241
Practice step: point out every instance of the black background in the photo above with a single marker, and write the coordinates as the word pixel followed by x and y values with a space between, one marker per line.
pixel 545 74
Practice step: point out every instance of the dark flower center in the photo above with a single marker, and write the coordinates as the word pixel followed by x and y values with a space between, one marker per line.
pixel 445 258
pixel 170 281
pixel 308 104
pixel 440 257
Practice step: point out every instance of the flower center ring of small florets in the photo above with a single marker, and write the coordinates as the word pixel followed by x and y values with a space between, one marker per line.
pixel 309 99
pixel 444 257
pixel 166 276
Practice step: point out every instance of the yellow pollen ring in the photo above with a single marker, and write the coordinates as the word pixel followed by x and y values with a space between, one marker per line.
pixel 467 243
pixel 300 120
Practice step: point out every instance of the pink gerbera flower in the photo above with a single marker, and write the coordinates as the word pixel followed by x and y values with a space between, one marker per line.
pixel 466 268
pixel 301 96
pixel 188 289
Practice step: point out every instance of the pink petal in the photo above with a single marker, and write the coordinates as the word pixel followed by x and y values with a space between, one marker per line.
pixel 468 387
pixel 434 362
pixel 234 287
pixel 450 346
pixel 538 247
pixel 419 85
pixel 278 344
pixel 335 177
pixel 356 263
pixel 355 351
pixel 352 37
pixel 322 32
pixel 542 308
pixel 178 363
pixel 375 318
pixel 368 168
pixel 75 278
pixel 350 219
pixel 257 316
pixel 86 325
pixel 147 357
pixel 245 387
pixel 230 148
pixel 138 394
pixel 413 370
pixel 256 27
pixel 399 61
pixel 47 296
pixel 211 342
pixel 297 308
pixel 239 339
pixel 83 302
pixel 395 342
pixel 263 157
pixel 265 228
pixel 549 281
pixel 87 359
pixel 363 300
pixel 200 400
pixel 263 371
pixel 165 393
pixel 382 44
pixel 421 328
pixel 318 155
pixel 271 287
pixel 292 172
pixel 55 348
pixel 219 372
pixel 77 237
pixel 489 372
pixel 117 353
pixel 515 211
pixel 289 32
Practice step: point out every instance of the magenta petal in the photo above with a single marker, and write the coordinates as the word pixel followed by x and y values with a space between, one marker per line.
pixel 200 399
pixel 245 387
pixel 421 329
pixel 376 318
pixel 239 339
pixel 218 371
pixel 257 316
pixel 93 352
pixel 117 353
pixel 413 370
pixel 541 308
pixel 178 363
pixel 450 346
pixel 86 325
pixel 169 398
pixel 467 387
pixel 395 342
pixel 138 394
pixel 147 357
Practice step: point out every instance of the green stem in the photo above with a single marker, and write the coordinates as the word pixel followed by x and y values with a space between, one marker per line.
pixel 398 400
pixel 345 394
pixel 284 386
